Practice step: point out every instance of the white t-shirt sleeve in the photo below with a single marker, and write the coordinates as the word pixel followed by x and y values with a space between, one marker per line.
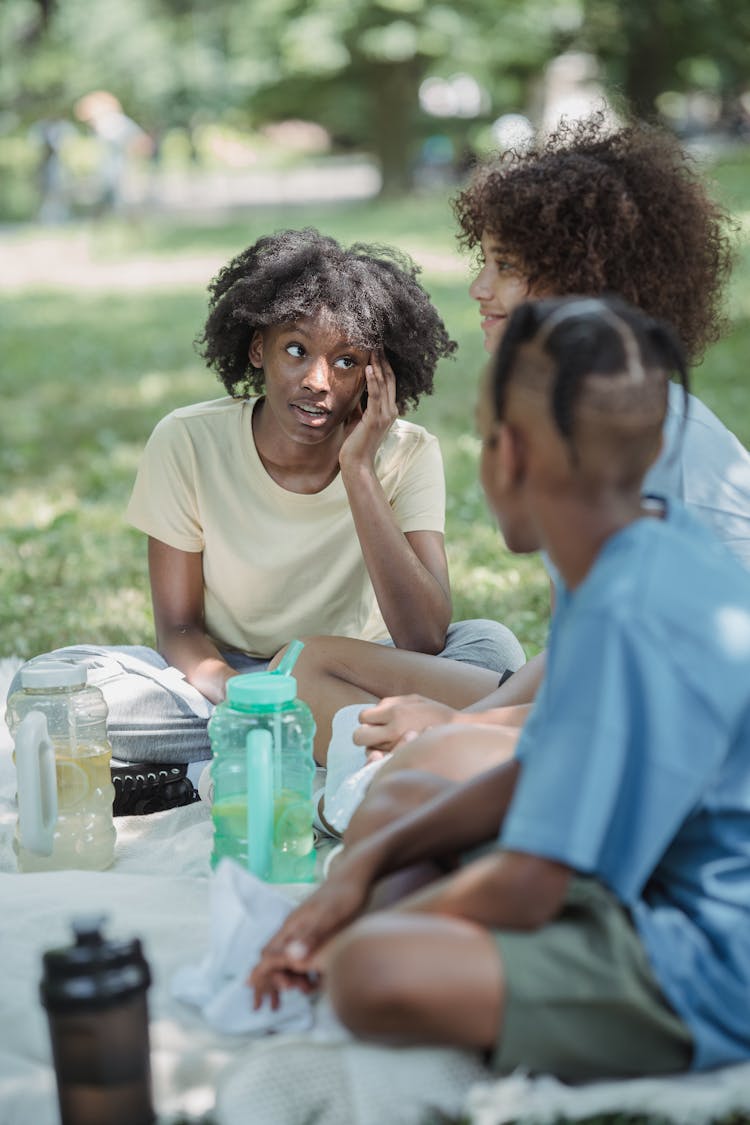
pixel 163 503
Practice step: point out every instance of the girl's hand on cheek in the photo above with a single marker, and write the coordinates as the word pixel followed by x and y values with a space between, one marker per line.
pixel 362 444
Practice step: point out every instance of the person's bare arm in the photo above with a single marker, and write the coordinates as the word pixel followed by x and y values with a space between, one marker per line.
pixel 503 890
pixel 408 571
pixel 177 595
pixel 519 690
pixel 401 718
pixel 464 817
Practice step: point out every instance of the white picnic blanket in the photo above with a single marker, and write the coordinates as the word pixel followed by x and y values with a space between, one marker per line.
pixel 158 890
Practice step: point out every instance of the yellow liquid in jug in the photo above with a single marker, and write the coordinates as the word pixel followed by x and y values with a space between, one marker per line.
pixel 292 821
pixel 85 834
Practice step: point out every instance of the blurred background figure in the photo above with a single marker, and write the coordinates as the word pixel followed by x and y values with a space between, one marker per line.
pixel 435 161
pixel 121 143
pixel 50 134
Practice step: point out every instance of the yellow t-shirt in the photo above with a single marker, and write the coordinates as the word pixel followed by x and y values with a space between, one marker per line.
pixel 276 564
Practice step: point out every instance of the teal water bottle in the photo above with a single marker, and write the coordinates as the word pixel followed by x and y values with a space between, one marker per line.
pixel 263 770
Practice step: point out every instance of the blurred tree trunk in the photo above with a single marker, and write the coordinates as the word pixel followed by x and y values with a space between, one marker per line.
pixel 393 95
pixel 649 61
pixel 40 13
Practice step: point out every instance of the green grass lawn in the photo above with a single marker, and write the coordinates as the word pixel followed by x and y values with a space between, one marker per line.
pixel 96 334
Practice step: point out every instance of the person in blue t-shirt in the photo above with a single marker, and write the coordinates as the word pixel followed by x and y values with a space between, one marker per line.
pixel 606 930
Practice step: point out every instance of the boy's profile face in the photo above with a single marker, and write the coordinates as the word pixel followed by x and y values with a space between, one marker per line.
pixel 499 287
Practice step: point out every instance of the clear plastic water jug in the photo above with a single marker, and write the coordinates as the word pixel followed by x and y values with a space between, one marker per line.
pixel 262 771
pixel 62 756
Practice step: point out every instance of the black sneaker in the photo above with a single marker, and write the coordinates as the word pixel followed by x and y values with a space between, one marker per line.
pixel 145 787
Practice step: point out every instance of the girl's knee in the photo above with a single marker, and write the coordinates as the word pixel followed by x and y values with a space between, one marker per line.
pixel 305 657
pixel 314 659
pixel 488 644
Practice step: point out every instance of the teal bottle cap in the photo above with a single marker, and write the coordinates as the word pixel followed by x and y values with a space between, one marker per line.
pixel 261 689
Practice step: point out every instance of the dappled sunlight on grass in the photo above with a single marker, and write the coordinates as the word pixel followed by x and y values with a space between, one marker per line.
pixel 35 509
pixel 77 580
pixel 502 587
pixel 153 387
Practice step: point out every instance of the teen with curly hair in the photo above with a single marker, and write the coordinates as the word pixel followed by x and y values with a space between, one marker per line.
pixel 590 210
pixel 300 502
pixel 589 909
pixel 593 211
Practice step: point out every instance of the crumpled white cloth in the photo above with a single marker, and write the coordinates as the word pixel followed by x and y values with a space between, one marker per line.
pixel 348 771
pixel 244 912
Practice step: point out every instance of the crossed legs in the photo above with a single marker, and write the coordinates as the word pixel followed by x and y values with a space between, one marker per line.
pixel 420 770
pixel 399 976
pixel 417 978
pixel 335 672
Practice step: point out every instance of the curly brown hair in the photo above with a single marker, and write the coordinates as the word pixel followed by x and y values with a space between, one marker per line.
pixel 372 291
pixel 593 211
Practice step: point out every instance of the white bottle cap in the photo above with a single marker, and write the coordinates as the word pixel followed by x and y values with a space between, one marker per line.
pixel 53 674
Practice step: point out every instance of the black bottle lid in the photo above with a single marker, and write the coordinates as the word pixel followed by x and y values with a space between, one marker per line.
pixel 93 973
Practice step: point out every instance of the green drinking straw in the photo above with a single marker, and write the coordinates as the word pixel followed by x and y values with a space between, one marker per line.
pixel 260 802
pixel 289 659
pixel 286 664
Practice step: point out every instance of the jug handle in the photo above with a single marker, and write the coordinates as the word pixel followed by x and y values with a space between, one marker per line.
pixel 37 784
pixel 260 801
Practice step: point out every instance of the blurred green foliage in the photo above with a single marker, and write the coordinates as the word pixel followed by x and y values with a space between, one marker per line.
pixel 649 46
pixel 354 66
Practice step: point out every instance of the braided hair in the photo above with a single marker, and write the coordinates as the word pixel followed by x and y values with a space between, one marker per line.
pixel 601 350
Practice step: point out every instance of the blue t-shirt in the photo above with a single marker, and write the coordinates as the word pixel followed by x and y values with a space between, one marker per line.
pixel 636 762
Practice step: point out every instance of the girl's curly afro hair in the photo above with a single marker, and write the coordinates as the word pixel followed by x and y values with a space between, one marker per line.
pixel 593 211
pixel 371 291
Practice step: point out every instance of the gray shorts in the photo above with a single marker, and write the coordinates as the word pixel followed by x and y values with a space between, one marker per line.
pixel 581 999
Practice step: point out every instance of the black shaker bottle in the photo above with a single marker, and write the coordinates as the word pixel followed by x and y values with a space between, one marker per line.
pixel 95 995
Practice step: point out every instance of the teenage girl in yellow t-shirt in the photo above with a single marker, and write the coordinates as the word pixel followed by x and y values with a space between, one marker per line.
pixel 300 503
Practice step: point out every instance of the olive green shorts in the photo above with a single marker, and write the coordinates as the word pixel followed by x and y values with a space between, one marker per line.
pixel 581 999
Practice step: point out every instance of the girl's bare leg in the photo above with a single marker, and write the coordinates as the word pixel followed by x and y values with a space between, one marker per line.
pixel 455 753
pixel 417 978
pixel 398 794
pixel 335 672
pixel 420 770
pixel 402 793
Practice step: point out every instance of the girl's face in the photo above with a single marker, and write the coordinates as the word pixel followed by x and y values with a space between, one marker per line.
pixel 314 377
pixel 500 286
